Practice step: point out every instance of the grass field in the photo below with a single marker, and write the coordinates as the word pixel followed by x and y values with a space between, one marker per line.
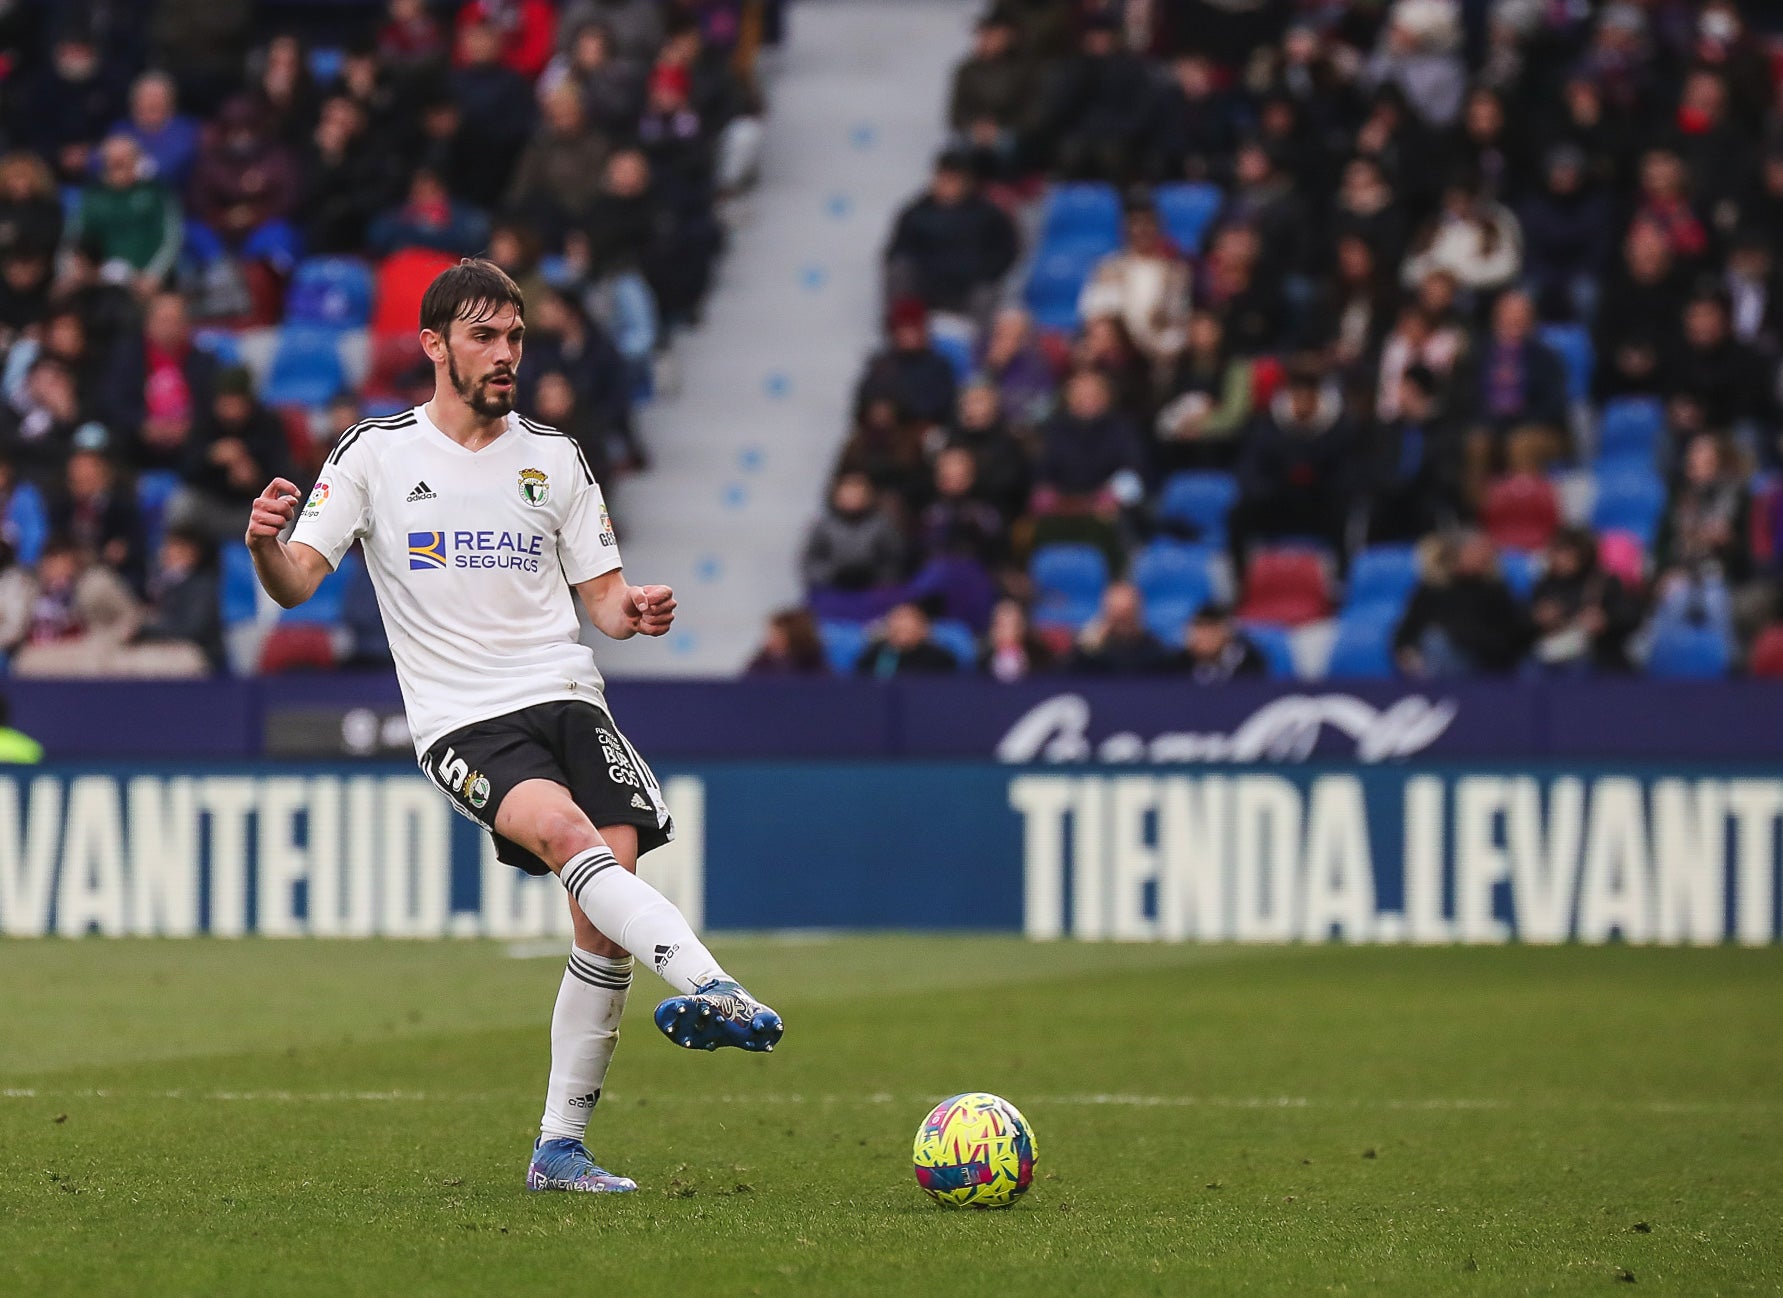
pixel 307 1118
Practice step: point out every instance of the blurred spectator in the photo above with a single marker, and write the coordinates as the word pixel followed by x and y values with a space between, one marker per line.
pixel 245 184
pixel 1721 377
pixel 1095 116
pixel 994 92
pixel 1001 467
pixel 1462 619
pixel 283 90
pixel 157 385
pixel 1013 650
pixel 24 291
pixel 1664 202
pixel 908 372
pixel 1420 54
pixel 1091 457
pixel 410 39
pixel 526 30
pixel 672 135
pixel 1215 651
pixel 960 525
pixel 559 177
pixel 951 246
pixel 494 117
pixel 1266 198
pixel 1116 642
pixel 429 218
pixel 1522 382
pixel 1566 227
pixel 129 218
pixel 80 614
pixel 854 546
pixel 1011 359
pixel 236 448
pixel 1415 464
pixel 200 43
pixel 30 209
pixel 1637 315
pixel 1193 126
pixel 69 102
pixel 562 339
pixel 1234 283
pixel 903 647
pixel 1416 340
pixel 555 403
pixel 1754 293
pixel 345 182
pixel 1145 286
pixel 1105 346
pixel 890 452
pixel 1708 526
pixel 1474 239
pixel 729 108
pixel 37 429
pixel 637 26
pixel 98 515
pixel 1298 474
pixel 1350 317
pixel 612 88
pixel 1368 209
pixel 1583 615
pixel 18 591
pixel 790 648
pixel 167 137
pixel 1209 402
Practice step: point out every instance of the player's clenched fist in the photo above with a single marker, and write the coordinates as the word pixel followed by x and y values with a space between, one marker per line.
pixel 273 510
pixel 654 608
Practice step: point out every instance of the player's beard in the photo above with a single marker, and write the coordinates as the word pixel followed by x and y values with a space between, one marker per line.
pixel 490 405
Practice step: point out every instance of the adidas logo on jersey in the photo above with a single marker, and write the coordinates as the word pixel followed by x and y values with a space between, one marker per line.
pixel 637 800
pixel 421 492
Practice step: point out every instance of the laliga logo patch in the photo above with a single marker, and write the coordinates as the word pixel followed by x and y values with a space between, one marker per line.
pixel 318 498
pixel 535 487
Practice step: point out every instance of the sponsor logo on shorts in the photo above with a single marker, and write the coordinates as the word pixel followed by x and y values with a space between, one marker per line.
pixel 535 487
pixel 318 498
pixel 620 768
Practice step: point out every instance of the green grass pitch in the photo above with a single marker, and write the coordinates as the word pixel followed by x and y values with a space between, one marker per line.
pixel 306 1118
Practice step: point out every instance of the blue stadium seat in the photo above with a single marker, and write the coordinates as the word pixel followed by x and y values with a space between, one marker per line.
pixel 1275 646
pixel 1176 573
pixel 1054 283
pixel 153 490
pixel 1186 211
pixel 240 587
pixel 957 638
pixel 1202 500
pixel 306 368
pixel 223 344
pixel 1520 570
pixel 328 606
pixel 957 349
pixel 1631 429
pixel 28 522
pixel 1573 343
pixel 843 644
pixel 1383 577
pixel 325 63
pixel 1167 616
pixel 1629 500
pixel 1683 651
pixel 1363 649
pixel 1084 213
pixel 331 291
pixel 1068 583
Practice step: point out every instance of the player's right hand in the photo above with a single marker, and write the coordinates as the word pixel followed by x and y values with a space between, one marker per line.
pixel 273 511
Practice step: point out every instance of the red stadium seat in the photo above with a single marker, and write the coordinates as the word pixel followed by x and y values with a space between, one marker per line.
pixel 1522 511
pixel 297 648
pixel 402 278
pixel 1767 653
pixel 1287 587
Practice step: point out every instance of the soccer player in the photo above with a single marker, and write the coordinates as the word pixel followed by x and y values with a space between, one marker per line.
pixel 476 524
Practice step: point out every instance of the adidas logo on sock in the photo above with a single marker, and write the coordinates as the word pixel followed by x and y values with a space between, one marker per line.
pixel 663 955
pixel 585 1101
pixel 637 800
pixel 421 492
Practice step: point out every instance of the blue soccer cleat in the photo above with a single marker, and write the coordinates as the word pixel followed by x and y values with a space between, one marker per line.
pixel 719 1014
pixel 566 1165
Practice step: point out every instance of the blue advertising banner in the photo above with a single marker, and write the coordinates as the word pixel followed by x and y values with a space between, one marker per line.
pixel 1392 854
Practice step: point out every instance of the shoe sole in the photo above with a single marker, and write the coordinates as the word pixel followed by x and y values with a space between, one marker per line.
pixel 704 1030
pixel 543 1185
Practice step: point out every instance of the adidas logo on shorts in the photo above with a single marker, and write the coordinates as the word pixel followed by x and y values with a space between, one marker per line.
pixel 637 800
pixel 421 492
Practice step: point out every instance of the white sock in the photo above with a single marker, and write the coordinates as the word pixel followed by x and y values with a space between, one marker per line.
pixel 639 918
pixel 584 1034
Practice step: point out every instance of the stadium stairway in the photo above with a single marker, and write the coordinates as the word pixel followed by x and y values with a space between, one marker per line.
pixel 740 449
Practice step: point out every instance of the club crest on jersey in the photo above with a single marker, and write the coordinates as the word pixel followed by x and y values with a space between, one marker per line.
pixel 535 487
pixel 476 790
pixel 318 498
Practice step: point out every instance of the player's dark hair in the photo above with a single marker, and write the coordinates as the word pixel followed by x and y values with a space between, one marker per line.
pixel 471 291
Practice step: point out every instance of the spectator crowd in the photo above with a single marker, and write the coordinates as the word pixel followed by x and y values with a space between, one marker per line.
pixel 1426 338
pixel 216 219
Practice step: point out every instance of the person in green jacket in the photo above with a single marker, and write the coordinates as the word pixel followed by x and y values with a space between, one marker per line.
pixel 128 217
pixel 16 747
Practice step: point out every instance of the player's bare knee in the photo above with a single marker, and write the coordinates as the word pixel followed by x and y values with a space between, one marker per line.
pixel 563 835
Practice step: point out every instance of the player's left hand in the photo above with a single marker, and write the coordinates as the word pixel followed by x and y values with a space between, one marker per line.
pixel 652 607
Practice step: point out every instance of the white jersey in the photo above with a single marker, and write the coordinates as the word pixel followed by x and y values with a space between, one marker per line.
pixel 472 555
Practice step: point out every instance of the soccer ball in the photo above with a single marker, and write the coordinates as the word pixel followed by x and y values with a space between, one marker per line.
pixel 975 1151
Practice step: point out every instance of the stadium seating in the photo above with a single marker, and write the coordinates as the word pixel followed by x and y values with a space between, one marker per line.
pixel 1628 439
pixel 300 647
pixel 1054 283
pixel 957 348
pixel 1181 574
pixel 1275 646
pixel 1068 583
pixel 328 605
pixel 1684 651
pixel 402 278
pixel 1082 215
pixel 1630 500
pixel 331 291
pixel 843 644
pixel 1520 569
pixel 27 522
pixel 1363 649
pixel 240 587
pixel 957 638
pixel 1202 502
pixel 1767 653
pixel 1286 586
pixel 1521 511
pixel 154 490
pixel 1572 342
pixel 1382 578
pixel 306 368
pixel 1186 211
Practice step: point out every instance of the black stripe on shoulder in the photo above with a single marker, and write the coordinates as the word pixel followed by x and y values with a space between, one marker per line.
pixel 389 424
pixel 544 430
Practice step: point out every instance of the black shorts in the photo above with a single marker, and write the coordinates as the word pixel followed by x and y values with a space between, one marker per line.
pixel 571 743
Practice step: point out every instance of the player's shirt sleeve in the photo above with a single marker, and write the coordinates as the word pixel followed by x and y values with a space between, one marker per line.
pixel 338 511
pixel 586 545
